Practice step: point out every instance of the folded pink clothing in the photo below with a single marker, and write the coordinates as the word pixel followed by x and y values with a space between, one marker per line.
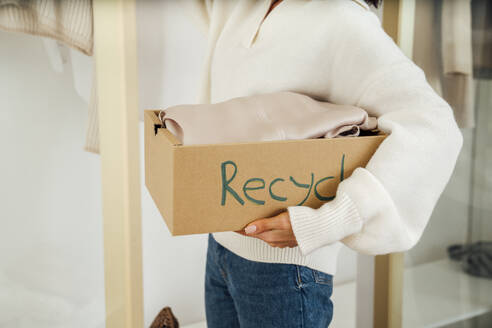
pixel 274 116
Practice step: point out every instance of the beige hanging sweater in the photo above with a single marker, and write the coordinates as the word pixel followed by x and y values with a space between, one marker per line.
pixel 67 21
pixel 443 49
pixel 336 51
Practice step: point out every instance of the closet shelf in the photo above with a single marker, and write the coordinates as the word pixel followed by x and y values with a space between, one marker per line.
pixel 435 294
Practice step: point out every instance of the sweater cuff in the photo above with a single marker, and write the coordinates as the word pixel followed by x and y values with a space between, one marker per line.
pixel 314 228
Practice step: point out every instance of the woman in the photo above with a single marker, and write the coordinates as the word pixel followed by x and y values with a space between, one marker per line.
pixel 278 272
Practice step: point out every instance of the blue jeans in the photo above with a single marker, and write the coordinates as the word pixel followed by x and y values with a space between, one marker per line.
pixel 243 293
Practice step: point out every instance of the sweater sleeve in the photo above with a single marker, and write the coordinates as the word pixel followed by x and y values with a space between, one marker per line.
pixel 385 206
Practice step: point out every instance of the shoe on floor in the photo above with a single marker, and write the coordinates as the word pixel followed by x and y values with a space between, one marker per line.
pixel 165 319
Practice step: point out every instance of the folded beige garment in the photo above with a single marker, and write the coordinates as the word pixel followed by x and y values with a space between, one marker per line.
pixel 265 117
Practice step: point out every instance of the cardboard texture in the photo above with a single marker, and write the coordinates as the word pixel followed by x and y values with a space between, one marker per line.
pixel 223 187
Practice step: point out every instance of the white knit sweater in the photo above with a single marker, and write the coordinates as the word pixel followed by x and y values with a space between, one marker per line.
pixel 337 51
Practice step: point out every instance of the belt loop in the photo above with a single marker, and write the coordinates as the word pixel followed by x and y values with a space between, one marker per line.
pixel 299 280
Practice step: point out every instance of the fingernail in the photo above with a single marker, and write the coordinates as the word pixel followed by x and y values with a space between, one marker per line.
pixel 250 229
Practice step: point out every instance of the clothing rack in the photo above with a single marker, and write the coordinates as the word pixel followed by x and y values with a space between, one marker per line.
pixel 115 55
pixel 379 294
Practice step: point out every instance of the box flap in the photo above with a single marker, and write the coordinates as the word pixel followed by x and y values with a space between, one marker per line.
pixel 153 114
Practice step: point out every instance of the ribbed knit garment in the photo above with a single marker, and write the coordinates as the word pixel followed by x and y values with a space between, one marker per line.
pixel 337 51
pixel 67 21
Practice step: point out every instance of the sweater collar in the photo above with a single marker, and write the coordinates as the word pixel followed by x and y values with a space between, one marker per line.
pixel 259 15
pixel 256 20
pixel 362 3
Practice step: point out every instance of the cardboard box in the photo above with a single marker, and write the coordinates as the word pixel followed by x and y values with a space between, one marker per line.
pixel 223 187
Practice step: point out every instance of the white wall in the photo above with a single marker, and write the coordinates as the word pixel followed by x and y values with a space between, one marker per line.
pixel 51 233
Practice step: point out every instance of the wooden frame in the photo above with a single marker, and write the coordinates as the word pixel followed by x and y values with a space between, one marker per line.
pixel 388 290
pixel 398 22
pixel 116 73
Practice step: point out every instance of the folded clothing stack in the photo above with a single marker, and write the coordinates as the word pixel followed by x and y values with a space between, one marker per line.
pixel 274 116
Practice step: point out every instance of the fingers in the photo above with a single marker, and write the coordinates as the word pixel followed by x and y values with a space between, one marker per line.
pixel 289 244
pixel 278 222
pixel 276 231
pixel 275 236
pixel 284 245
pixel 278 238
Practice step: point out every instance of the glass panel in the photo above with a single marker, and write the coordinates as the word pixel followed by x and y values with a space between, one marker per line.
pixel 448 273
pixel 51 242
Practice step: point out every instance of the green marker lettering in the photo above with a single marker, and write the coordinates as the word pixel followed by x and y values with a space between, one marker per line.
pixel 320 197
pixel 341 171
pixel 245 188
pixel 225 183
pixel 276 197
pixel 304 186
